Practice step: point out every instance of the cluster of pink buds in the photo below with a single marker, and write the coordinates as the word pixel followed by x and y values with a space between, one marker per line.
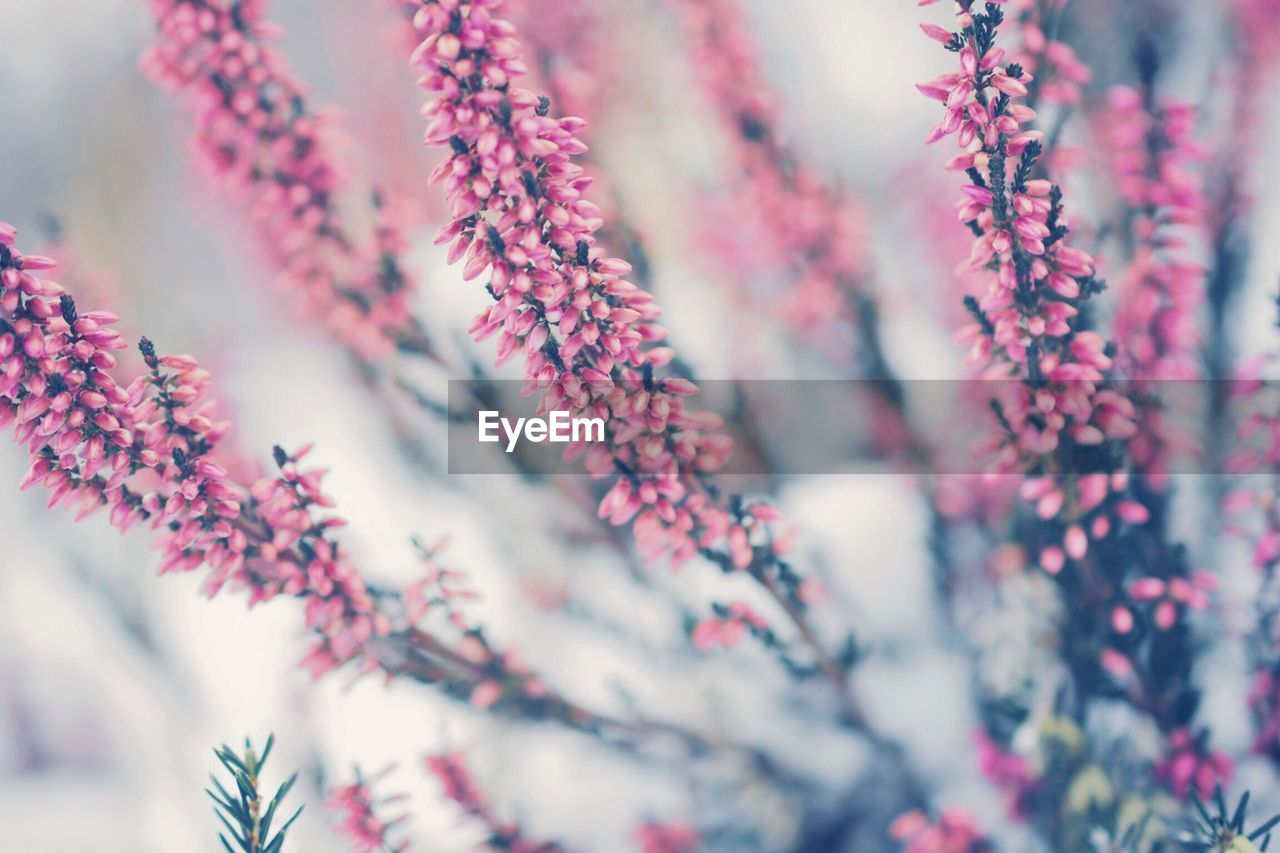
pixel 459 786
pixel 1190 765
pixel 1049 495
pixel 654 837
pixel 954 831
pixel 728 625
pixel 573 60
pixel 1162 289
pixel 570 48
pixel 1257 27
pixel 361 824
pixel 1008 772
pixel 813 236
pixel 1165 598
pixel 1253 510
pixel 1049 398
pixel 255 135
pixel 94 442
pixel 521 217
pixel 1163 603
pixel 305 560
pixel 488 674
pixel 1264 703
pixel 1257 447
pixel 1051 401
pixel 147 451
pixel 1060 75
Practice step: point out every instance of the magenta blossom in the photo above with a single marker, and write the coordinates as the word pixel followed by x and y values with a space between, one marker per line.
pixel 1026 323
pixel 255 136
pixel 676 837
pixel 458 785
pixel 361 824
pixel 794 223
pixel 1190 765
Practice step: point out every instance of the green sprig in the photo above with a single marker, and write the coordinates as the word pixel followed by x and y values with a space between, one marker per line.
pixel 242 813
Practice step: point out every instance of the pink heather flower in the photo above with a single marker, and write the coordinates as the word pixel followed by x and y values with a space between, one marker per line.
pixel 1058 73
pixel 458 785
pixel 255 136
pixel 149 452
pixel 728 626
pixel 1025 323
pixel 585 333
pixel 1252 509
pixel 1188 764
pixel 676 837
pixel 1051 404
pixel 1117 664
pixel 1264 702
pixel 1257 450
pixel 954 831
pixel 361 825
pixel 1256 26
pixel 455 779
pixel 572 52
pixel 794 224
pixel 1169 596
pixel 1010 773
pixel 1162 289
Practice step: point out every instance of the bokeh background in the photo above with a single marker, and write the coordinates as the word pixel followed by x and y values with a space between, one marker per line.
pixel 115 683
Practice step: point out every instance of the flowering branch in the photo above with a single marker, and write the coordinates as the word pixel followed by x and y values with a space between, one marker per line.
pixel 1254 509
pixel 677 837
pixel 520 214
pixel 1058 420
pixel 1163 288
pixel 256 135
pixel 1058 74
pixel 818 234
pixel 954 831
pixel 361 824
pixel 149 452
pixel 459 786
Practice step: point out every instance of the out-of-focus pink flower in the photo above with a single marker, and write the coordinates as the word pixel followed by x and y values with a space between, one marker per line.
pixel 1059 73
pixel 1007 771
pixel 256 136
pixel 1025 330
pixel 361 824
pixel 458 785
pixel 954 831
pixel 1117 664
pixel 1188 764
pixel 1152 153
pixel 791 223
pixel 675 837
pixel 1264 702
pixel 1168 596
pixel 727 627
pixel 148 452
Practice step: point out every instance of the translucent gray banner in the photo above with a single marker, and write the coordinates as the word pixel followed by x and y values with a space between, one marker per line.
pixel 806 427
